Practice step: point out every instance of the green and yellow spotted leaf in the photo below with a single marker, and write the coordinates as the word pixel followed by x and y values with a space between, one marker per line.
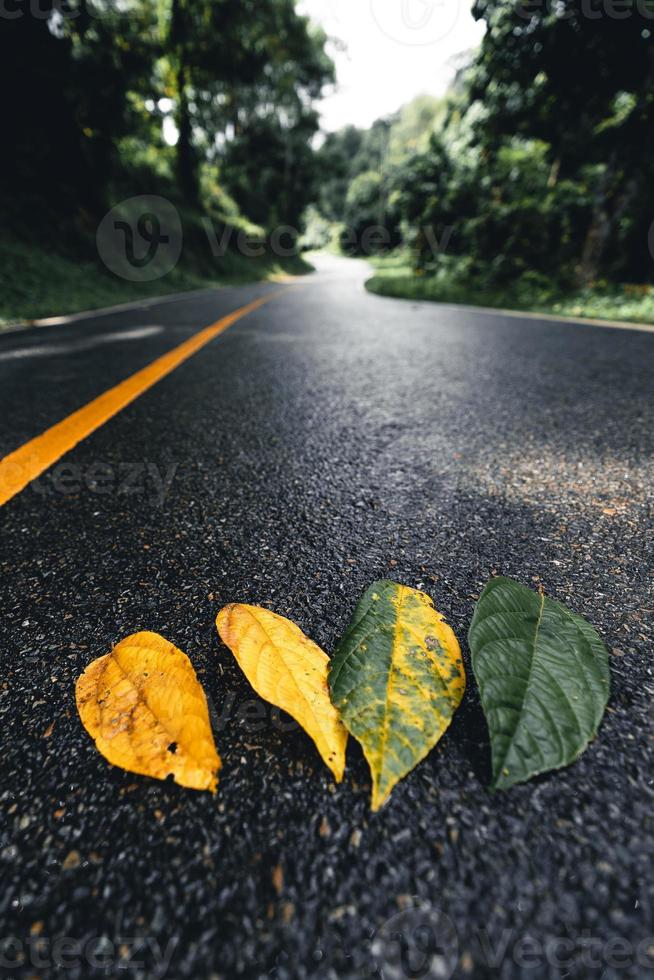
pixel 396 678
pixel 543 676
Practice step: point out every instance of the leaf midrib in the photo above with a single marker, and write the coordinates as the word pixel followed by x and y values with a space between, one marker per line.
pixel 175 736
pixel 288 670
pixel 501 764
pixel 389 685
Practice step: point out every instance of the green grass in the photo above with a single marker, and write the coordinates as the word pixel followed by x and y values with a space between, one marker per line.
pixel 37 282
pixel 456 283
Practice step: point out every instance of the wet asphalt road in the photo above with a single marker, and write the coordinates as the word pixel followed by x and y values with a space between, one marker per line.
pixel 328 439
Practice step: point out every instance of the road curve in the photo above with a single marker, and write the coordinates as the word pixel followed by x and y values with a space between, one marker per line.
pixel 328 438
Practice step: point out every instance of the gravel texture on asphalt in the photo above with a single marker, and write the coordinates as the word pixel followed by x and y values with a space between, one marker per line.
pixel 329 439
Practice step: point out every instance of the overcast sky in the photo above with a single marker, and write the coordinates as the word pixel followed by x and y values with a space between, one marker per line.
pixel 396 49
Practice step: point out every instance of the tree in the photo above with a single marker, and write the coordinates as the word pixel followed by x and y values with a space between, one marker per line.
pixel 371 222
pixel 270 169
pixel 64 120
pixel 335 160
pixel 86 118
pixel 580 77
pixel 241 68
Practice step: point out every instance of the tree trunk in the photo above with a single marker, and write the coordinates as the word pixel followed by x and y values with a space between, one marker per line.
pixel 187 165
pixel 555 169
pixel 601 228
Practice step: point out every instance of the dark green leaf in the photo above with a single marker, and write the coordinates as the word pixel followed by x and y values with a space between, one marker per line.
pixel 543 676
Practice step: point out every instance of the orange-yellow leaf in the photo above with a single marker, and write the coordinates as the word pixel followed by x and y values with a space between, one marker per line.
pixel 290 671
pixel 143 706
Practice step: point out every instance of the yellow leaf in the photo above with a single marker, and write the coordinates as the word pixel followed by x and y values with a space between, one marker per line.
pixel 146 711
pixel 287 669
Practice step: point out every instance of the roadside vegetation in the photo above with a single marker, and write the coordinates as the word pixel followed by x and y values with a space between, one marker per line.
pixel 395 275
pixel 210 106
pixel 530 185
pixel 37 281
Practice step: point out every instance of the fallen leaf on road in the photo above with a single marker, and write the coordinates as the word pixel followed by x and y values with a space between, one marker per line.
pixel 397 678
pixel 287 669
pixel 543 676
pixel 145 710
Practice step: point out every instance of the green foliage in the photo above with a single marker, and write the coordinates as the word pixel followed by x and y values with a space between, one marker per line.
pixel 319 235
pixel 46 278
pixel 269 170
pixel 460 280
pixel 84 129
pixel 82 94
pixel 540 160
pixel 358 171
pixel 412 126
pixel 237 77
pixel 244 74
pixel 503 209
pixel 543 676
pixel 335 161
pixel 370 219
pixel 580 78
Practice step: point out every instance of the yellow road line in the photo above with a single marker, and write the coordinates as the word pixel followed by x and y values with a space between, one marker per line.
pixel 19 468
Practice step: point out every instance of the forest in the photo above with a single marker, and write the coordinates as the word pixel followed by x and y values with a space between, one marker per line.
pixel 530 179
pixel 530 183
pixel 210 105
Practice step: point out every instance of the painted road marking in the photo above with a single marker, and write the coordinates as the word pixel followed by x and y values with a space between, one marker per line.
pixel 19 468
pixel 76 346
